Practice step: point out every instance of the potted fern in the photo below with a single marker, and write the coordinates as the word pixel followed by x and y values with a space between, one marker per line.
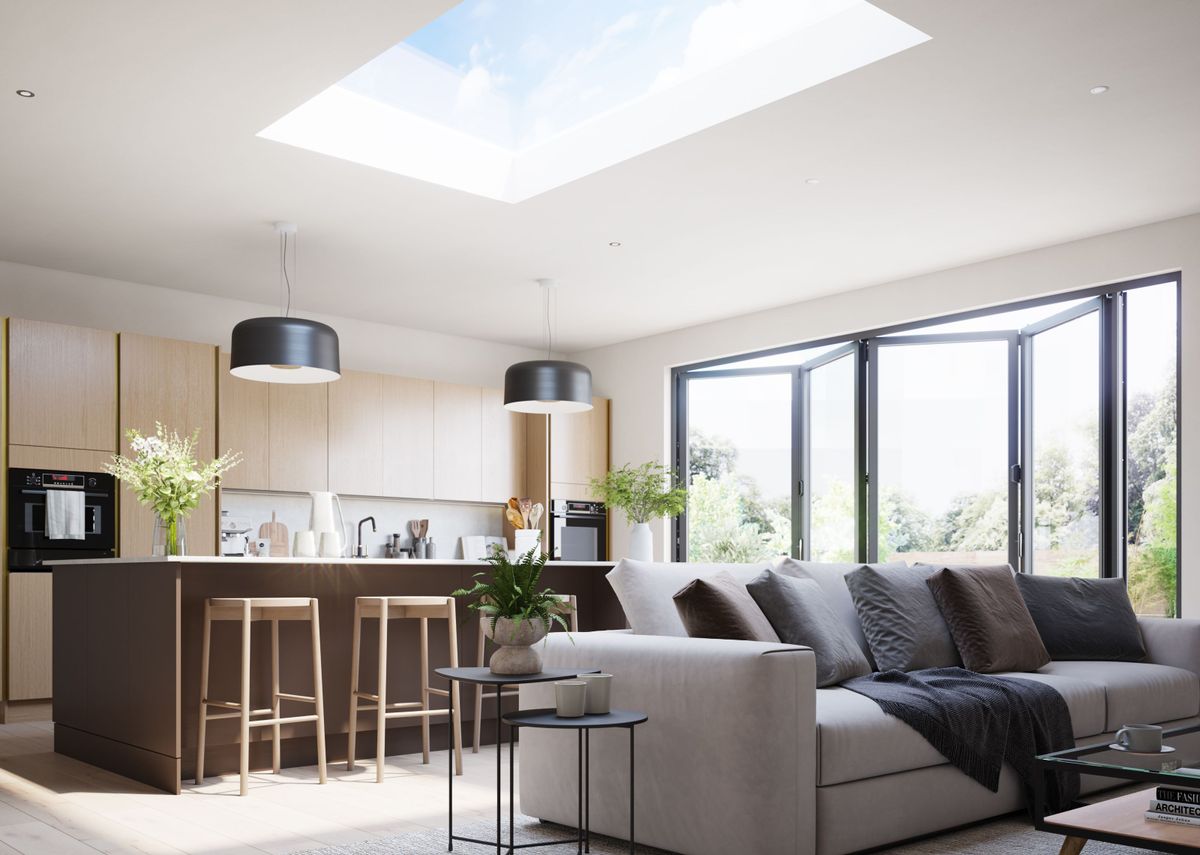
pixel 647 492
pixel 513 612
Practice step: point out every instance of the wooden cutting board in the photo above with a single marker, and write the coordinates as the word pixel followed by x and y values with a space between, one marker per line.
pixel 278 534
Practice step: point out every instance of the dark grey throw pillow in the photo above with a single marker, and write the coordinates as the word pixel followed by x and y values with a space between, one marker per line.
pixel 720 607
pixel 799 614
pixel 900 618
pixel 1083 618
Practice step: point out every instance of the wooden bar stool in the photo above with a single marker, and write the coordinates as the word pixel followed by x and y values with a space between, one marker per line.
pixel 569 608
pixel 248 610
pixel 425 609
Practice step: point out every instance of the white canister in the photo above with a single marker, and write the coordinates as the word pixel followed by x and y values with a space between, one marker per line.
pixel 570 698
pixel 304 544
pixel 525 539
pixel 331 544
pixel 599 693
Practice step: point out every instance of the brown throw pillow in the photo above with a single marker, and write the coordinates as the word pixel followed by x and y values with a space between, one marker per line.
pixel 988 619
pixel 720 607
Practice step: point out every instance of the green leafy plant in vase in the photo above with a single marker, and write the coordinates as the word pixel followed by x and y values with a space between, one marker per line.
pixel 647 492
pixel 165 475
pixel 513 612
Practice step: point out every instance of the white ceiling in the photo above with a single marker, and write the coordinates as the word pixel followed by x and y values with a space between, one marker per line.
pixel 138 160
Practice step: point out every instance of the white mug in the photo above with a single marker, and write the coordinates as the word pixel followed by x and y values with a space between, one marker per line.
pixel 304 544
pixel 570 698
pixel 1142 738
pixel 599 693
pixel 331 544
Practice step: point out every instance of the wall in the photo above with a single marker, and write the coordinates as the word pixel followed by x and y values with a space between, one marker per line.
pixel 38 293
pixel 636 374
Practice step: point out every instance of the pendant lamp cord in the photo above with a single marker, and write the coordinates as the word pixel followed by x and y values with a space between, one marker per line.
pixel 549 327
pixel 286 280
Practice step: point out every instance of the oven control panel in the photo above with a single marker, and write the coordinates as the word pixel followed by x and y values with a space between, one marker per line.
pixel 60 480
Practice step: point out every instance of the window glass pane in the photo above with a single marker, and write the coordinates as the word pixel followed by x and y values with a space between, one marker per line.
pixel 1151 424
pixel 1066 448
pixel 739 468
pixel 832 530
pixel 943 427
pixel 1002 321
pixel 777 360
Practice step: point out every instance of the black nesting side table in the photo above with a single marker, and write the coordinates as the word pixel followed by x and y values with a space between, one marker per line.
pixel 483 677
pixel 583 725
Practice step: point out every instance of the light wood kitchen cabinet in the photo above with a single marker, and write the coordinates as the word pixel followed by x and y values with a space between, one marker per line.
pixel 407 437
pixel 503 449
pixel 29 636
pixel 457 442
pixel 69 459
pixel 62 386
pixel 298 426
pixel 173 382
pixel 578 451
pixel 356 434
pixel 242 426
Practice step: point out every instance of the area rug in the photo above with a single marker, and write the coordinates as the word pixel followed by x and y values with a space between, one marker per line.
pixel 999 837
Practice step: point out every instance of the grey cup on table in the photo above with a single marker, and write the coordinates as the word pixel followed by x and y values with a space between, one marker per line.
pixel 599 693
pixel 1140 737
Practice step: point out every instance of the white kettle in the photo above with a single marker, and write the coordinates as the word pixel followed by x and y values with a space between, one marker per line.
pixel 329 535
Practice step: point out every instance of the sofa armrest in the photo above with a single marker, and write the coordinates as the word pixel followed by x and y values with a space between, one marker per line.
pixel 1172 641
pixel 725 763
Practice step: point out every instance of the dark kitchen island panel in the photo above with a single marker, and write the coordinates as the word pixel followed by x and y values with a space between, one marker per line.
pixel 127 636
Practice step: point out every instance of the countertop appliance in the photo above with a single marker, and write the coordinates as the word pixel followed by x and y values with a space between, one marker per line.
pixel 28 545
pixel 235 535
pixel 578 530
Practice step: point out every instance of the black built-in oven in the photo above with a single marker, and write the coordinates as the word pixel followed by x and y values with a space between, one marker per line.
pixel 28 546
pixel 578 530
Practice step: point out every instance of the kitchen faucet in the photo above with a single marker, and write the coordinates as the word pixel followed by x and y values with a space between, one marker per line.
pixel 360 551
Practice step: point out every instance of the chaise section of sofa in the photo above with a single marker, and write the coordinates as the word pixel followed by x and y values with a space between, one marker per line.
pixel 726 762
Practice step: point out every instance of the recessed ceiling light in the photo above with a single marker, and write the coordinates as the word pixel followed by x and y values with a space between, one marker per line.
pixel 812 180
pixel 614 243
pixel 24 93
pixel 1098 90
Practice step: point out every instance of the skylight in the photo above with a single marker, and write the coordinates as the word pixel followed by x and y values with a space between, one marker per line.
pixel 511 98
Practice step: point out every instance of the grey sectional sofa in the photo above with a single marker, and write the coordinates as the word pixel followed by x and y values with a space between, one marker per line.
pixel 742 753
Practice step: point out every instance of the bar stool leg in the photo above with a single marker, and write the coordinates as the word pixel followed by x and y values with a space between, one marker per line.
pixel 244 728
pixel 425 690
pixel 479 652
pixel 203 718
pixel 318 688
pixel 455 700
pixel 275 695
pixel 352 734
pixel 381 707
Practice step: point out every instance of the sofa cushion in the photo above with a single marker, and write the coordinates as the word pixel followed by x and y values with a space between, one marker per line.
pixel 645 590
pixel 857 740
pixel 832 579
pixel 1137 692
pixel 800 614
pixel 720 607
pixel 1083 618
pixel 988 620
pixel 900 618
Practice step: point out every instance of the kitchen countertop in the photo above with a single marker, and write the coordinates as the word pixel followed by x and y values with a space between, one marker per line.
pixel 388 562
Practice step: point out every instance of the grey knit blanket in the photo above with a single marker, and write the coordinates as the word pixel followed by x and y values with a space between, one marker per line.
pixel 978 722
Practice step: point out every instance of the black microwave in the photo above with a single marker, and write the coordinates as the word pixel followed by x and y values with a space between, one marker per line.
pixel 28 543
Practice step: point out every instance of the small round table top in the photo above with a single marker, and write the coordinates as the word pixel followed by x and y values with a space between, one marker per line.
pixel 484 676
pixel 550 718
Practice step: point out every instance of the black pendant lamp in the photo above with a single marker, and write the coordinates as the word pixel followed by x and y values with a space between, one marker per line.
pixel 282 349
pixel 549 386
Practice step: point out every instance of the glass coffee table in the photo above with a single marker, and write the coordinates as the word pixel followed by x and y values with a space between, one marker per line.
pixel 1122 820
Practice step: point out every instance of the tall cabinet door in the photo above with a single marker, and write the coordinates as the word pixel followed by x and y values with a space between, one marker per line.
pixel 173 382
pixel 356 434
pixel 457 442
pixel 503 449
pixel 242 426
pixel 407 437
pixel 299 436
pixel 578 451
pixel 62 386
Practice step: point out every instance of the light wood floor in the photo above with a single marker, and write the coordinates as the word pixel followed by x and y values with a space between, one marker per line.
pixel 53 805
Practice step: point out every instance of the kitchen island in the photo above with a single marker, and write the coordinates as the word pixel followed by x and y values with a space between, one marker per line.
pixel 127 637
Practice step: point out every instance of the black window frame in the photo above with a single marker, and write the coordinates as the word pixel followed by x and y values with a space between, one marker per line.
pixel 1112 407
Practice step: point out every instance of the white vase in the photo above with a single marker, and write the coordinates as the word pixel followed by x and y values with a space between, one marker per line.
pixel 641 542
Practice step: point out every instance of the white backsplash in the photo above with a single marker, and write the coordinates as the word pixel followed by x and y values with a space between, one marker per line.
pixel 448 521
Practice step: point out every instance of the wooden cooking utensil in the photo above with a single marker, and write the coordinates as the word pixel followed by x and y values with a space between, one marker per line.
pixel 525 506
pixel 535 514
pixel 514 503
pixel 414 526
pixel 514 518
pixel 424 528
pixel 278 534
